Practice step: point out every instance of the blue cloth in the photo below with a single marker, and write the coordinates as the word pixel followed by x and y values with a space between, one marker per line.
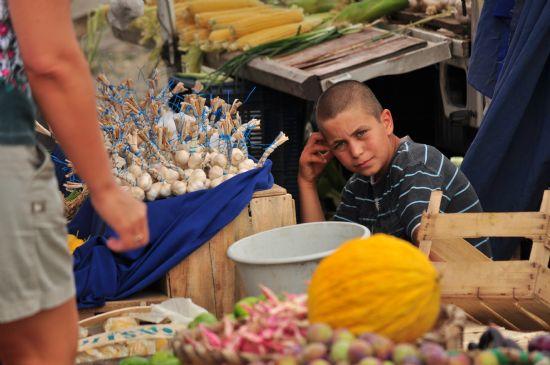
pixel 508 162
pixel 178 226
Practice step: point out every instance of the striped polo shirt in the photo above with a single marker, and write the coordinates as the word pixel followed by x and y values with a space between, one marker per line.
pixel 394 204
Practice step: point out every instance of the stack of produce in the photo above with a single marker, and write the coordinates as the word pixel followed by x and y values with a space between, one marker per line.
pixel 275 331
pixel 241 24
pixel 157 153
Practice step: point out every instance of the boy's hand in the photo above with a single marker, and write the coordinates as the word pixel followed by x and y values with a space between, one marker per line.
pixel 315 156
pixel 126 215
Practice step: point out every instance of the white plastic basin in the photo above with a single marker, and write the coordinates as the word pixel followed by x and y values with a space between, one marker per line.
pixel 284 259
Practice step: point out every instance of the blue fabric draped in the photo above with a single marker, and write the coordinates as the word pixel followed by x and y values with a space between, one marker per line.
pixel 177 225
pixel 508 162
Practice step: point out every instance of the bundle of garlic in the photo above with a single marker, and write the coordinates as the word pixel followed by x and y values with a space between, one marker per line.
pixel 157 153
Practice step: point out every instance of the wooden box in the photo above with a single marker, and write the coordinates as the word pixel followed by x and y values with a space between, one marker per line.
pixel 512 294
pixel 208 276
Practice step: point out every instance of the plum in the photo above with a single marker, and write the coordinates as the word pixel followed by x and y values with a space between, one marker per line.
pixel 342 334
pixel 433 354
pixel 339 350
pixel 402 351
pixel 319 362
pixel 486 357
pixel 370 361
pixel 540 343
pixel 314 351
pixel 359 349
pixel 459 358
pixel 382 346
pixel 319 332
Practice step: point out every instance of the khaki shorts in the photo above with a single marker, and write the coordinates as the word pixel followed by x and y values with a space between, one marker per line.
pixel 35 264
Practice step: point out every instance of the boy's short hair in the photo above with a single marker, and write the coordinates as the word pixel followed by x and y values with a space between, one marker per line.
pixel 343 95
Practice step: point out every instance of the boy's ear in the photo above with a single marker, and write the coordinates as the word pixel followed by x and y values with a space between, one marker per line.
pixel 387 119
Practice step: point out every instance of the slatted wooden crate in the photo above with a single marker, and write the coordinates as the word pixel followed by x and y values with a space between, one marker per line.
pixel 512 294
pixel 208 276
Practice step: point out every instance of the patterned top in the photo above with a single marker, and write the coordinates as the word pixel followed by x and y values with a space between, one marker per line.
pixel 395 203
pixel 12 73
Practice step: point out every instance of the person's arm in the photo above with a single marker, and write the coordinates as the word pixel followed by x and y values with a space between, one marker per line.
pixel 315 156
pixel 63 88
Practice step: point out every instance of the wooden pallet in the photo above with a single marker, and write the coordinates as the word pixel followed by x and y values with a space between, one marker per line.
pixel 512 294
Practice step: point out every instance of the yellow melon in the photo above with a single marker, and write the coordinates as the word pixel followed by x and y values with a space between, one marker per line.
pixel 380 284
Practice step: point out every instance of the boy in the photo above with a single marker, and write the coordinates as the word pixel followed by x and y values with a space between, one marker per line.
pixel 393 178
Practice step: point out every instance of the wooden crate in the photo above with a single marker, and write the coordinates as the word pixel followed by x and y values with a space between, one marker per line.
pixel 512 294
pixel 208 276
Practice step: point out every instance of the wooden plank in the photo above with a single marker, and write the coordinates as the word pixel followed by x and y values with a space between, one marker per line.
pixel 272 212
pixel 519 317
pixel 475 308
pixel 100 318
pixel 499 279
pixel 313 53
pixel 380 50
pixel 457 250
pixel 192 278
pixel 138 300
pixel 223 270
pixel 540 251
pixel 275 190
pixel 425 242
pixel 475 225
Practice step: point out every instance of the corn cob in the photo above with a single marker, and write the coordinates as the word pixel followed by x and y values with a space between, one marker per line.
pixel 228 19
pixel 221 35
pixel 276 33
pixel 203 19
pixel 201 6
pixel 369 10
pixel 264 21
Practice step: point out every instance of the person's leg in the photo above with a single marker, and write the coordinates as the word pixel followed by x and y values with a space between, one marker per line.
pixel 46 338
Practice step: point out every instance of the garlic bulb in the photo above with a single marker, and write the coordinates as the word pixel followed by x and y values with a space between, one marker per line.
pixel 215 172
pixel 153 192
pixel 135 170
pixel 219 160
pixel 165 190
pixel 198 174
pixel 137 192
pixel 187 174
pixel 119 162
pixel 181 157
pixel 246 165
pixel 195 185
pixel 179 187
pixel 236 156
pixel 233 170
pixel 195 161
pixel 145 181
pixel 125 188
pixel 129 178
pixel 171 175
pixel 118 181
pixel 207 183
pixel 216 182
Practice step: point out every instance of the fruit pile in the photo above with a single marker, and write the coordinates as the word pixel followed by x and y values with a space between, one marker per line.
pixel 272 330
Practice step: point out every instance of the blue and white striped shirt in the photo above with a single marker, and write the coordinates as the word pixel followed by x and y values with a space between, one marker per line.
pixel 394 204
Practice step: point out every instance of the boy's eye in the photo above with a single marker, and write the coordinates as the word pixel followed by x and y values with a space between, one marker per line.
pixel 338 145
pixel 361 133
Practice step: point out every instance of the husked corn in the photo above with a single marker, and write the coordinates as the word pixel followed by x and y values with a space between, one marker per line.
pixel 275 33
pixel 201 6
pixel 203 19
pixel 221 35
pixel 264 21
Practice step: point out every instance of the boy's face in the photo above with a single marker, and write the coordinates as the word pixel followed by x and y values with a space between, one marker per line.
pixel 360 141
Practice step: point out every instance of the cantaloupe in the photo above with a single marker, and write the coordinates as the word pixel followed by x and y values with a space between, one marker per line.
pixel 380 284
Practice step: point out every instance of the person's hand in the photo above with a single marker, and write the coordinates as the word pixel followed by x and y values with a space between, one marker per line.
pixel 126 215
pixel 315 156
